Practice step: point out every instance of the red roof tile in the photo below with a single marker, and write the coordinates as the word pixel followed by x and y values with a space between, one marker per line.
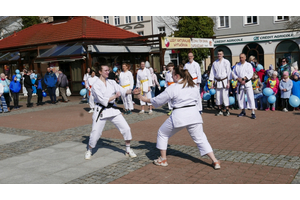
pixel 76 28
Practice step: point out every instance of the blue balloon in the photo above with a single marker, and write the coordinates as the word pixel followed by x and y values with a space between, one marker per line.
pixel 162 83
pixel 268 92
pixel 231 100
pixel 18 79
pixel 35 76
pixel 212 91
pixel 44 94
pixel 83 92
pixel 115 69
pixel 18 76
pixel 83 83
pixel 206 96
pixel 271 99
pixel 17 71
pixel 259 67
pixel 294 101
pixel 6 90
pixel 246 99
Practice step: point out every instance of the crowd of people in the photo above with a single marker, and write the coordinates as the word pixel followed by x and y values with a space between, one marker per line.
pixel 32 84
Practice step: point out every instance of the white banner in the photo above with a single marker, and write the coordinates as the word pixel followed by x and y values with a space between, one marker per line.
pixel 202 43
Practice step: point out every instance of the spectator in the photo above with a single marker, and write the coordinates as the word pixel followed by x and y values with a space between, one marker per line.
pixel 15 88
pixel 273 83
pixel 25 93
pixel 86 76
pixel 50 80
pixel 63 84
pixel 2 100
pixel 284 67
pixel 5 82
pixel 40 86
pixel 28 85
pixel 285 87
pixel 233 93
pixel 296 87
pixel 257 90
pixel 154 82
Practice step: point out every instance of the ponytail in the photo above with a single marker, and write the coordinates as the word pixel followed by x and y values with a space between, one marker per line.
pixel 186 77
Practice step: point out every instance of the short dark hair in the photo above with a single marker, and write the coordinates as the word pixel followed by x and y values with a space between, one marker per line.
pixel 221 50
pixel 286 60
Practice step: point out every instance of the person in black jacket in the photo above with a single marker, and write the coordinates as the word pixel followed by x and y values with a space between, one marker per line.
pixel 40 86
pixel 28 85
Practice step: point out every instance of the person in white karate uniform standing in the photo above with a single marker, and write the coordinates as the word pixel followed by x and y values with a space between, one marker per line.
pixel 105 92
pixel 220 75
pixel 89 83
pixel 184 98
pixel 194 69
pixel 243 72
pixel 144 82
pixel 169 81
pixel 126 81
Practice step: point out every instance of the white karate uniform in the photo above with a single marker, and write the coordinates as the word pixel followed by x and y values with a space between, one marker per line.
pixel 221 70
pixel 195 72
pixel 180 118
pixel 23 85
pixel 144 75
pixel 170 80
pixel 101 95
pixel 242 71
pixel 90 81
pixel 85 78
pixel 126 79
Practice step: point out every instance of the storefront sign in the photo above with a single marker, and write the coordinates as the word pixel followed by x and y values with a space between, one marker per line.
pixel 202 43
pixel 186 43
pixel 257 38
pixel 175 43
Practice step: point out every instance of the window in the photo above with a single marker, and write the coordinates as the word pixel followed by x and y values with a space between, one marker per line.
pixel 287 49
pixel 282 18
pixel 117 20
pixel 251 20
pixel 128 19
pixel 223 21
pixel 161 29
pixel 106 19
pixel 139 18
pixel 140 33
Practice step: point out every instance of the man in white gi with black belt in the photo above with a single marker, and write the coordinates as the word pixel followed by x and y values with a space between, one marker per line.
pixel 243 72
pixel 220 75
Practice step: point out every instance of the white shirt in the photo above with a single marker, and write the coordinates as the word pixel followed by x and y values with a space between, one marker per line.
pixel 126 78
pixel 91 81
pixel 143 75
pixel 179 97
pixel 168 78
pixel 1 89
pixel 194 70
pixel 102 94
pixel 242 71
pixel 86 76
pixel 220 70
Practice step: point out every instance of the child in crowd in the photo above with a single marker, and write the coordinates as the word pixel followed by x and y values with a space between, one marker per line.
pixel 212 98
pixel 233 93
pixel 40 85
pixel 296 87
pixel 285 87
pixel 4 105
pixel 257 90
pixel 272 83
pixel 15 87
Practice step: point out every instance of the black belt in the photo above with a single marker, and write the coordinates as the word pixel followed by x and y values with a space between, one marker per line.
pixel 109 105
pixel 246 81
pixel 184 107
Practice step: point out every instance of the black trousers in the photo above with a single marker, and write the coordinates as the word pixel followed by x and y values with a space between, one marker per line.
pixel 15 96
pixel 40 96
pixel 284 103
pixel 29 90
pixel 7 99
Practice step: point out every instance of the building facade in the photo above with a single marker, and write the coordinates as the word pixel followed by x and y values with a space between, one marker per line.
pixel 265 37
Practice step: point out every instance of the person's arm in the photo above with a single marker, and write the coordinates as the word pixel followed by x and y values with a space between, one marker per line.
pixel 290 85
pixel 149 79
pixel 131 80
pixel 138 84
pixel 281 85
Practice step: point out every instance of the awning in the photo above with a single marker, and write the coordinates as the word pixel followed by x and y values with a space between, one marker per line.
pixel 119 49
pixel 67 52
pixel 10 56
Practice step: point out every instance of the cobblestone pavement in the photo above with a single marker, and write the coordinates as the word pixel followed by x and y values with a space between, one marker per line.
pixel 248 155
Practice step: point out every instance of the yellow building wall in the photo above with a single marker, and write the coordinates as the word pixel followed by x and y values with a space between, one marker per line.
pixel 235 59
pixel 269 59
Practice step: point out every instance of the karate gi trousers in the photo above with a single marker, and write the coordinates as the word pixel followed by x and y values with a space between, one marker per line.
pixel 250 97
pixel 148 95
pixel 222 96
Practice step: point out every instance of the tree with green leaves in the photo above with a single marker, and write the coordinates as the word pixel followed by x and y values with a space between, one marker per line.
pixel 195 27
pixel 30 20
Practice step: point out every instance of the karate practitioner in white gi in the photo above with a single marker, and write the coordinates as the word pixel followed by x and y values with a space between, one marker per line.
pixel 194 69
pixel 220 75
pixel 243 72
pixel 169 81
pixel 144 82
pixel 89 83
pixel 126 82
pixel 184 99
pixel 105 92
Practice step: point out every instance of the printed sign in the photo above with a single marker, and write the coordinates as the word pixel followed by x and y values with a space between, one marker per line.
pixel 175 43
pixel 202 43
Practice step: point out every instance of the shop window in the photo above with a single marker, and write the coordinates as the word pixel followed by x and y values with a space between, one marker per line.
pixel 254 49
pixel 287 49
pixel 223 22
pixel 226 51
